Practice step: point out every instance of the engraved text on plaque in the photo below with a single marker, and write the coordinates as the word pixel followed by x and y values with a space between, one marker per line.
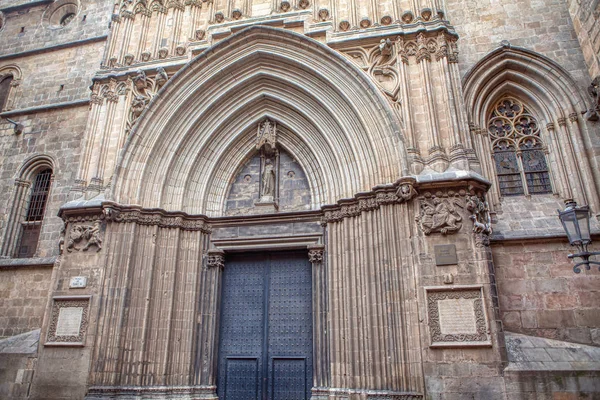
pixel 69 321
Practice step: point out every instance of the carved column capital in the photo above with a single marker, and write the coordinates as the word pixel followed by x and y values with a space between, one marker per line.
pixel 215 258
pixel 316 254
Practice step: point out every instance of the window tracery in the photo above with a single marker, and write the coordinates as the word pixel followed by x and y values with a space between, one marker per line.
pixel 518 150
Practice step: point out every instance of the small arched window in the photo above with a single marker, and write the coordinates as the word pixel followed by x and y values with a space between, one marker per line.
pixel 5 82
pixel 35 208
pixel 518 150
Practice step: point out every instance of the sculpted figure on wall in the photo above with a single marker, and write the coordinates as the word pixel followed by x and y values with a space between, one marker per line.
pixel 440 215
pixel 268 182
pixel 482 223
pixel 88 234
pixel 593 114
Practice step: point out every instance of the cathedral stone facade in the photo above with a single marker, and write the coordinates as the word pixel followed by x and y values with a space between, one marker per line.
pixel 297 199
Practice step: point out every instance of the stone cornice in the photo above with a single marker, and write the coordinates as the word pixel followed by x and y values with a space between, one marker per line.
pixel 403 190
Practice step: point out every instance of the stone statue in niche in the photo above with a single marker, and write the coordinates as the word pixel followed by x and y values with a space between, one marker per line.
pixel 268 182
pixel 440 215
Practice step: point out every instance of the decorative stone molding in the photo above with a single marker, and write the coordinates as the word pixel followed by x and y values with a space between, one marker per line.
pixel 163 219
pixel 323 14
pixel 200 34
pixel 457 317
pixel 144 90
pixel 407 17
pixel 100 392
pixel 386 20
pixel 402 191
pixel 82 237
pixel 316 254
pixel 369 394
pixel 215 259
pixel 68 321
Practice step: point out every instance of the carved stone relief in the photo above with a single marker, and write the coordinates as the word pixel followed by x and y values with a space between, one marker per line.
pixel 315 256
pixel 82 237
pixel 440 213
pixel 144 89
pixel 482 223
pixel 593 113
pixel 215 259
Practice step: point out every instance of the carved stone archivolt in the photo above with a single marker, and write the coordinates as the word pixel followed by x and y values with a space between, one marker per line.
pixel 440 212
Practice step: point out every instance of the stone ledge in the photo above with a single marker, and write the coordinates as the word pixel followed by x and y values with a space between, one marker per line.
pixel 532 353
pixel 25 343
pixel 6 263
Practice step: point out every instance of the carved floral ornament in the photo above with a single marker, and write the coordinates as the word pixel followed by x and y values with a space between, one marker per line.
pixel 315 255
pixel 402 192
pixel 215 259
pixel 114 213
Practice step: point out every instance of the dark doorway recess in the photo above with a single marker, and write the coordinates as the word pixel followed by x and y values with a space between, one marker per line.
pixel 265 347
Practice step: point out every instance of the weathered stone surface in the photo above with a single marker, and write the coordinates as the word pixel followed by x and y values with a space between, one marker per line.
pixel 147 114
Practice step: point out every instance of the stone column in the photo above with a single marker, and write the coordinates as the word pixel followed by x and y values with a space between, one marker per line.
pixel 208 322
pixel 321 373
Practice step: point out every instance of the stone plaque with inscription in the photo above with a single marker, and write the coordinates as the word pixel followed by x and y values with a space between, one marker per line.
pixel 457 317
pixel 78 282
pixel 445 254
pixel 68 321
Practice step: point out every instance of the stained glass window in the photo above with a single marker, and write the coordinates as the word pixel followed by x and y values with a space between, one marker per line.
pixel 518 151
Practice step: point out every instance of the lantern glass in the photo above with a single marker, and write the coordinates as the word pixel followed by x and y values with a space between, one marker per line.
pixel 583 222
pixel 576 223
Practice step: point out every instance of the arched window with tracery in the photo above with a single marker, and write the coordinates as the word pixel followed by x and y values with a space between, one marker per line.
pixel 518 150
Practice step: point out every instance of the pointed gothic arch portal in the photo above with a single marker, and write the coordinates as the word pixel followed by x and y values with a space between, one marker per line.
pixel 194 136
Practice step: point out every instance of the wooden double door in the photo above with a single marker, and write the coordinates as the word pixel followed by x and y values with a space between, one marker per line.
pixel 265 346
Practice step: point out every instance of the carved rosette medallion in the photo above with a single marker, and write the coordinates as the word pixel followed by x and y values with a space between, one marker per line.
pixel 457 317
